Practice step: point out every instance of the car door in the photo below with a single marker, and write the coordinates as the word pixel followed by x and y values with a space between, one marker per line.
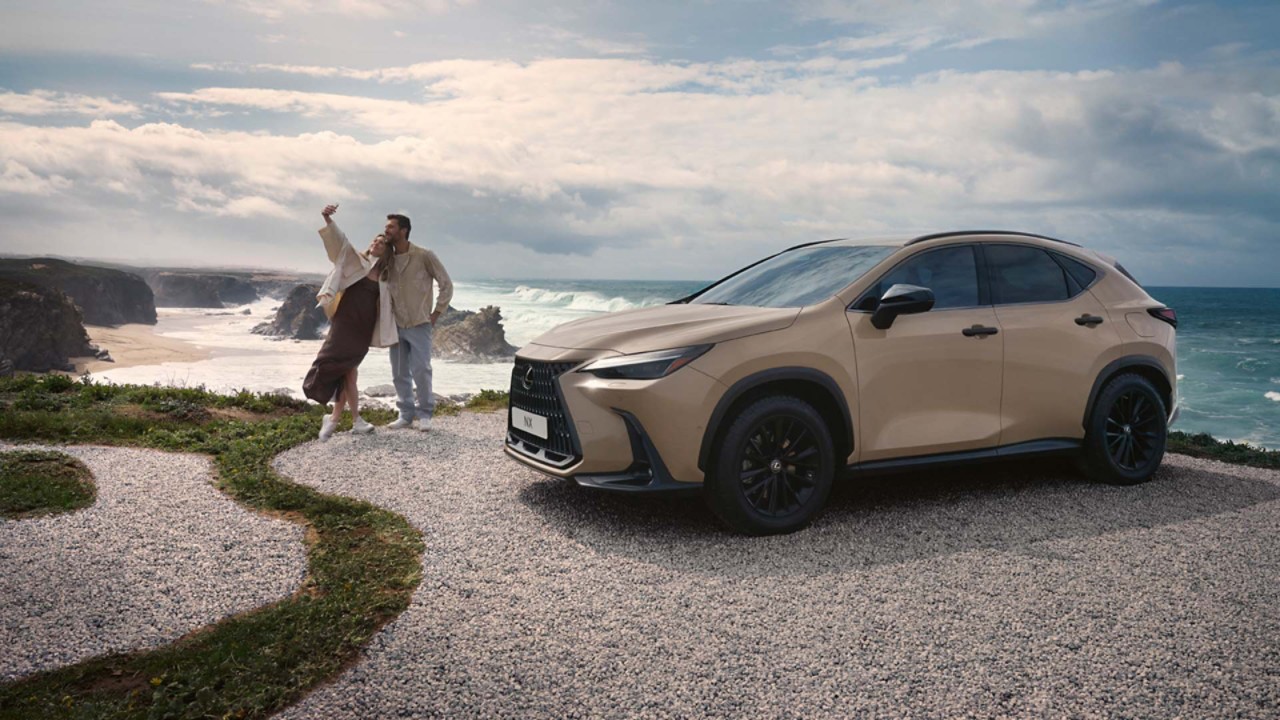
pixel 930 383
pixel 1055 333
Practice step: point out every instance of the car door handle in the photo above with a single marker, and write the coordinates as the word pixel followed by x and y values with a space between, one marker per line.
pixel 979 331
pixel 1090 320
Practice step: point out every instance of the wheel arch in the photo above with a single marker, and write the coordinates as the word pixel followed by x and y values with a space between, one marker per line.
pixel 813 386
pixel 1143 365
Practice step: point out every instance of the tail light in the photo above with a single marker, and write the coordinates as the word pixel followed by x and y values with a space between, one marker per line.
pixel 1166 314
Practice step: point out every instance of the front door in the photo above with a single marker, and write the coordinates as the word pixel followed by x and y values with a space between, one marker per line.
pixel 931 382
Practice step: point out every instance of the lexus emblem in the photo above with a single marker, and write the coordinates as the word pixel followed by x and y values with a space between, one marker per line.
pixel 527 382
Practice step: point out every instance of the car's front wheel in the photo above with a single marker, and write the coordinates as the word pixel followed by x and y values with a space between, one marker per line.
pixel 1126 433
pixel 774 468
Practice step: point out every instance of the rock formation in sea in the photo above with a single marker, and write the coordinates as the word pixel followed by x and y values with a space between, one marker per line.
pixel 297 318
pixel 194 289
pixel 470 336
pixel 105 296
pixel 40 327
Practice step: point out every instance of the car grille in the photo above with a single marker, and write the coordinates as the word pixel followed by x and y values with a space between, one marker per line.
pixel 533 389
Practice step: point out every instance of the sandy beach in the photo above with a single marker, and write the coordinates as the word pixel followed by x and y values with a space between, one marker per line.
pixel 136 344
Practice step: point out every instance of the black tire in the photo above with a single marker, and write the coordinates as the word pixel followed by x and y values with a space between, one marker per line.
pixel 1126 434
pixel 774 467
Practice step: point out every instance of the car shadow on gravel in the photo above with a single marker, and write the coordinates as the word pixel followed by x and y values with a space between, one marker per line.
pixel 894 519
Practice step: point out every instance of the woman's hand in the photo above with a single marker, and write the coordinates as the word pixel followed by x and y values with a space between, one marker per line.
pixel 327 212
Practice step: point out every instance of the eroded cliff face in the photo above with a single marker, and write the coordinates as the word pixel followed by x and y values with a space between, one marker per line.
pixel 470 336
pixel 298 317
pixel 199 290
pixel 40 328
pixel 105 296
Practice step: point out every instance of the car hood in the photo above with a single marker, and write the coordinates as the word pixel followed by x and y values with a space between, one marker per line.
pixel 666 326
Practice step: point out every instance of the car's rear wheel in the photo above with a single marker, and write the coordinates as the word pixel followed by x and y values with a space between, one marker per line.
pixel 1126 433
pixel 774 467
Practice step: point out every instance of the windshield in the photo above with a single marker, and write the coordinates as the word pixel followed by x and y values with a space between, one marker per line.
pixel 797 277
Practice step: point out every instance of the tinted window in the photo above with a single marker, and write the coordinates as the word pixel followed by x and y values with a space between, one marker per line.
pixel 1081 273
pixel 797 277
pixel 951 273
pixel 1021 274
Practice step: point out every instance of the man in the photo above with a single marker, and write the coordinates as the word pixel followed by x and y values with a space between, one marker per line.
pixel 412 275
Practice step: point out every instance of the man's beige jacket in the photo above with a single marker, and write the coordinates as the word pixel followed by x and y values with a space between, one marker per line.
pixel 414 273
pixel 348 267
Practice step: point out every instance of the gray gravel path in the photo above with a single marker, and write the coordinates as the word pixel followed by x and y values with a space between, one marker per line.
pixel 159 554
pixel 1017 591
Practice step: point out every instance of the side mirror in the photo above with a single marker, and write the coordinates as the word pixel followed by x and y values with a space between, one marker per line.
pixel 901 299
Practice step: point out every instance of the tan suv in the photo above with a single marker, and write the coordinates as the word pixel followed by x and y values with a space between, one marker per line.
pixel 860 356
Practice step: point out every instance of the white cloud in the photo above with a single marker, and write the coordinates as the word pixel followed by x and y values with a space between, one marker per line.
pixel 19 180
pixel 963 23
pixel 276 10
pixel 637 160
pixel 48 102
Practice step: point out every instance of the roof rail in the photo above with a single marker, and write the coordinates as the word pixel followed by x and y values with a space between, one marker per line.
pixel 961 233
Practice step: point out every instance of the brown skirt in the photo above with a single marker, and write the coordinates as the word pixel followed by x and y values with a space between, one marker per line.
pixel 350 331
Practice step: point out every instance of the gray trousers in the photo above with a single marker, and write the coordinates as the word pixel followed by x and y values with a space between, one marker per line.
pixel 411 365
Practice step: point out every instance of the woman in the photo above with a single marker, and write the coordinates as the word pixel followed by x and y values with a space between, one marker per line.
pixel 356 300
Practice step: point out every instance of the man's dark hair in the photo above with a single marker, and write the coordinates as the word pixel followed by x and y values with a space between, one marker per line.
pixel 402 221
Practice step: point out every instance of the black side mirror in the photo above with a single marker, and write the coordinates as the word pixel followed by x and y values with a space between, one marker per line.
pixel 901 299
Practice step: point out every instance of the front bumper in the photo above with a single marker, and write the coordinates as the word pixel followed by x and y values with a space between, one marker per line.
pixel 636 436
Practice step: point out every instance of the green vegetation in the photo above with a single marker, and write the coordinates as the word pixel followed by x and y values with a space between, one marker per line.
pixel 483 401
pixel 37 482
pixel 1205 446
pixel 364 561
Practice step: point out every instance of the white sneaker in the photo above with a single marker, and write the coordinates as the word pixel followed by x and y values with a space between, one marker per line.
pixel 327 427
pixel 400 424
pixel 424 424
pixel 360 426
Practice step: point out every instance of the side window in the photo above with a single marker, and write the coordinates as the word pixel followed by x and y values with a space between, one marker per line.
pixel 1021 274
pixel 950 272
pixel 1081 273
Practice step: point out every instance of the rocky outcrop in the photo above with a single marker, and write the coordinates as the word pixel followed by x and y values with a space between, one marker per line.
pixel 199 290
pixel 105 296
pixel 40 328
pixel 297 318
pixel 469 336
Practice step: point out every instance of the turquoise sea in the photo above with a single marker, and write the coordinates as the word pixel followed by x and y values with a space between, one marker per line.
pixel 1228 340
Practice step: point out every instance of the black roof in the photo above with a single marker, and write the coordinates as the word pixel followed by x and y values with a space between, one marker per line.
pixel 962 233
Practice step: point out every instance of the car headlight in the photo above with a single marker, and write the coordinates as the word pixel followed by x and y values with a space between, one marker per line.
pixel 645 365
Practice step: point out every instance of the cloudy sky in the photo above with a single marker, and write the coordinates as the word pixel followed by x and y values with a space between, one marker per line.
pixel 640 139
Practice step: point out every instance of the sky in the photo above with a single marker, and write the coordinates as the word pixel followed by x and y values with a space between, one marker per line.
pixel 640 140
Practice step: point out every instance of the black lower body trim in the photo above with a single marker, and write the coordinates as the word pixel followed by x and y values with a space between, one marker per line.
pixel 647 474
pixel 1031 448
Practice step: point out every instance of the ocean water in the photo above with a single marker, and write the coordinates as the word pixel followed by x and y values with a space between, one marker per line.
pixel 1228 346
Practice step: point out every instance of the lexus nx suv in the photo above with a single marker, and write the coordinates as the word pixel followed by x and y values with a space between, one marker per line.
pixel 855 356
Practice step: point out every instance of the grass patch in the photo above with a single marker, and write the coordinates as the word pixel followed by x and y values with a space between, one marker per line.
pixel 483 401
pixel 38 482
pixel 364 562
pixel 1206 446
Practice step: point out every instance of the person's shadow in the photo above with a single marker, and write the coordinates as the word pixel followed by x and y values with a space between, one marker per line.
pixel 894 519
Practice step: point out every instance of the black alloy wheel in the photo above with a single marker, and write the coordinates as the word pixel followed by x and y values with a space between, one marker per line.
pixel 1131 431
pixel 774 469
pixel 1126 434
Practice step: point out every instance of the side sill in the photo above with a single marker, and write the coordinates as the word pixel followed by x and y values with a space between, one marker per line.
pixel 1031 448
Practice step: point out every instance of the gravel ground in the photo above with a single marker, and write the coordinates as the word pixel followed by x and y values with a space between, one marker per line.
pixel 159 554
pixel 1017 590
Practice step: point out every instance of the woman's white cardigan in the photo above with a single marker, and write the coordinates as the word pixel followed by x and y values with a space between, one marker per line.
pixel 348 267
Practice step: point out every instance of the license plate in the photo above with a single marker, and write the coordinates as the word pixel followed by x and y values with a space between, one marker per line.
pixel 528 422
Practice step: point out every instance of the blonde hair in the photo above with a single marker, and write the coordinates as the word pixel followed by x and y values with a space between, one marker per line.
pixel 382 264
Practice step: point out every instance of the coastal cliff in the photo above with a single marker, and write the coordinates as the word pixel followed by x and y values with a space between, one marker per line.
pixel 104 296
pixel 297 318
pixel 471 336
pixel 199 290
pixel 40 327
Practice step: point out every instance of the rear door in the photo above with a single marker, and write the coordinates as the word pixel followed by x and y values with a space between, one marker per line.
pixel 924 385
pixel 1055 332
